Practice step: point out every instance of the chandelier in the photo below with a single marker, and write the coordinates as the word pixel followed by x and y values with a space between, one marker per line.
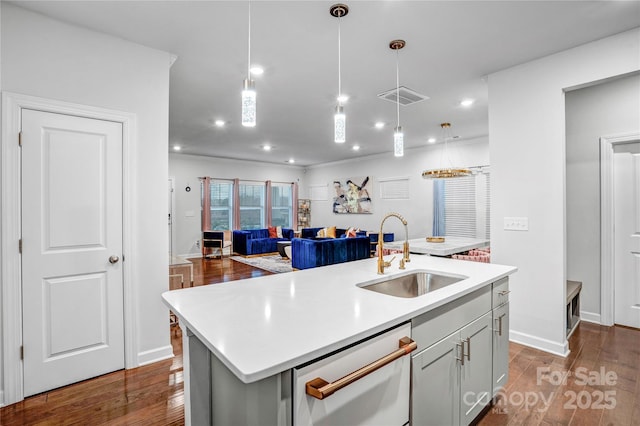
pixel 446 172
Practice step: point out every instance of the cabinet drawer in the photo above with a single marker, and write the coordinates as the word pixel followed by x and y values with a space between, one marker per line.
pixel 438 323
pixel 500 293
pixel 379 398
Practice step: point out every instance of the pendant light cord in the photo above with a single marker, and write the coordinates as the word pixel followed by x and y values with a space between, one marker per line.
pixel 339 60
pixel 397 88
pixel 249 46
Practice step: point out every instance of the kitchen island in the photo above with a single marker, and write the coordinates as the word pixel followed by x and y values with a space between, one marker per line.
pixel 250 334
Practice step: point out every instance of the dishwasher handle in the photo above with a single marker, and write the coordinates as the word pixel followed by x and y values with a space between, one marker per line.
pixel 320 388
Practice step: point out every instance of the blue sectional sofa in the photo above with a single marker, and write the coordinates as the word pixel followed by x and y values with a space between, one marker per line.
pixel 312 252
pixel 257 241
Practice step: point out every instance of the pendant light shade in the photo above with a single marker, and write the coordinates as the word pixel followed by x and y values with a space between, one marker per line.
pixel 248 103
pixel 339 118
pixel 398 142
pixel 339 125
pixel 249 87
pixel 398 135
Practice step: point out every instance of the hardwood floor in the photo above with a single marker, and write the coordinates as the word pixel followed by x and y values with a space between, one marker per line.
pixel 540 390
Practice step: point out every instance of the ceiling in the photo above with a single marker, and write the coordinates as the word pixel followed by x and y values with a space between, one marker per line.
pixel 451 47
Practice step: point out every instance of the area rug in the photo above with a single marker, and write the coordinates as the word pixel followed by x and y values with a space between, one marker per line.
pixel 272 263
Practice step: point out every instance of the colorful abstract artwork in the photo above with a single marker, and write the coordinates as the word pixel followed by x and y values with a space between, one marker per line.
pixel 352 195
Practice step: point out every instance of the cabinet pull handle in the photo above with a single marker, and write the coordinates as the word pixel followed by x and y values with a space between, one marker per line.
pixel 320 388
pixel 504 292
pixel 461 346
pixel 468 349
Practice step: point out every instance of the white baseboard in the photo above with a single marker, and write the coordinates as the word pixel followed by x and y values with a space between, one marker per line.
pixel 590 317
pixel 538 343
pixel 155 355
pixel 2 404
pixel 189 255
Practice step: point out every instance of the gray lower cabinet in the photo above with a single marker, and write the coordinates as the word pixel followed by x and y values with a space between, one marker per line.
pixel 450 380
pixel 500 347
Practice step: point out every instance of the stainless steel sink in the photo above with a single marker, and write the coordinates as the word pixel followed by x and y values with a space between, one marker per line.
pixel 413 284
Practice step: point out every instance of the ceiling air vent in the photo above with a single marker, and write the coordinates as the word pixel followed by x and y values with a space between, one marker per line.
pixel 405 97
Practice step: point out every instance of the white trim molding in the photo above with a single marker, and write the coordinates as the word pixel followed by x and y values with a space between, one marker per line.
pixel 10 225
pixel 155 355
pixel 538 343
pixel 590 317
pixel 607 144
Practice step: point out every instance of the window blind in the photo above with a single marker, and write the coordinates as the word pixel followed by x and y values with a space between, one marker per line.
pixel 460 206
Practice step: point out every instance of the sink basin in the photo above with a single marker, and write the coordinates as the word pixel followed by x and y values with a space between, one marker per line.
pixel 413 284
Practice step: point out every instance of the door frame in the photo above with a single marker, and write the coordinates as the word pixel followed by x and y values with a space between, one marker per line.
pixel 10 199
pixel 607 144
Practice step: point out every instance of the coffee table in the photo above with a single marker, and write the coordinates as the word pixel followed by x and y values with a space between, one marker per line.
pixel 281 245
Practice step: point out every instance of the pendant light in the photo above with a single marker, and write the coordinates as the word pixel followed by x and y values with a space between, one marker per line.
pixel 249 88
pixel 339 118
pixel 446 172
pixel 398 135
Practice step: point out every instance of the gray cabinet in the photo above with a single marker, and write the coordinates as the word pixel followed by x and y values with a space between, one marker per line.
pixel 451 381
pixel 475 374
pixel 500 312
pixel 500 347
pixel 451 377
pixel 436 383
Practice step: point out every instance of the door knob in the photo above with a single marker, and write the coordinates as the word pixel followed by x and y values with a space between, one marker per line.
pixel 114 259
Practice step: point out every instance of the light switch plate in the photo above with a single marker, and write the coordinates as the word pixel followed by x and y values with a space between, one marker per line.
pixel 516 223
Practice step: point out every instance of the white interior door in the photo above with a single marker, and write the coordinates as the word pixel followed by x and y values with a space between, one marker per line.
pixel 626 166
pixel 72 248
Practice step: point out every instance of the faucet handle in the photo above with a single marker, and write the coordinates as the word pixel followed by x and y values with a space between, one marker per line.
pixel 388 263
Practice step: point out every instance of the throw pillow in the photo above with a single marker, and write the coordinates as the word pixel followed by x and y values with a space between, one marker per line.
pixel 321 233
pixel 351 232
pixel 331 232
pixel 279 231
pixel 273 233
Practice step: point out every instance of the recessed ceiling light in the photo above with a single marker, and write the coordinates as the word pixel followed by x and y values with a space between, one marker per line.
pixel 291 160
pixel 466 102
pixel 256 70
pixel 177 147
pixel 343 98
pixel 266 147
pixel 431 140
pixel 356 147
pixel 219 123
pixel 379 125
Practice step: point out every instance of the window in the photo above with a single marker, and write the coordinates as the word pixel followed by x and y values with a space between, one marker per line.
pixel 252 197
pixel 460 206
pixel 282 205
pixel 467 206
pixel 221 193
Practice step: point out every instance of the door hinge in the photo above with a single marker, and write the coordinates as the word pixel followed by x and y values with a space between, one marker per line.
pixel 21 353
pixel 20 139
pixel 20 246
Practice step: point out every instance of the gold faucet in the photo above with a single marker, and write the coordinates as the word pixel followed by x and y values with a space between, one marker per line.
pixel 405 248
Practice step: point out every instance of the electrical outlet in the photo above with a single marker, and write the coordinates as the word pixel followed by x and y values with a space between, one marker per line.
pixel 516 223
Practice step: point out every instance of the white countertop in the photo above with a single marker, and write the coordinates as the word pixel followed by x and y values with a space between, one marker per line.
pixel 451 245
pixel 262 326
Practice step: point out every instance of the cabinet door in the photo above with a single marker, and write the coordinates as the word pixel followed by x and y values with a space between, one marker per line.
pixel 500 347
pixel 475 380
pixel 435 383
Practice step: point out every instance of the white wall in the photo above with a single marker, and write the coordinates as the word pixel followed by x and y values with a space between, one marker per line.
pixel 186 169
pixel 527 148
pixel 417 210
pixel 602 110
pixel 50 59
